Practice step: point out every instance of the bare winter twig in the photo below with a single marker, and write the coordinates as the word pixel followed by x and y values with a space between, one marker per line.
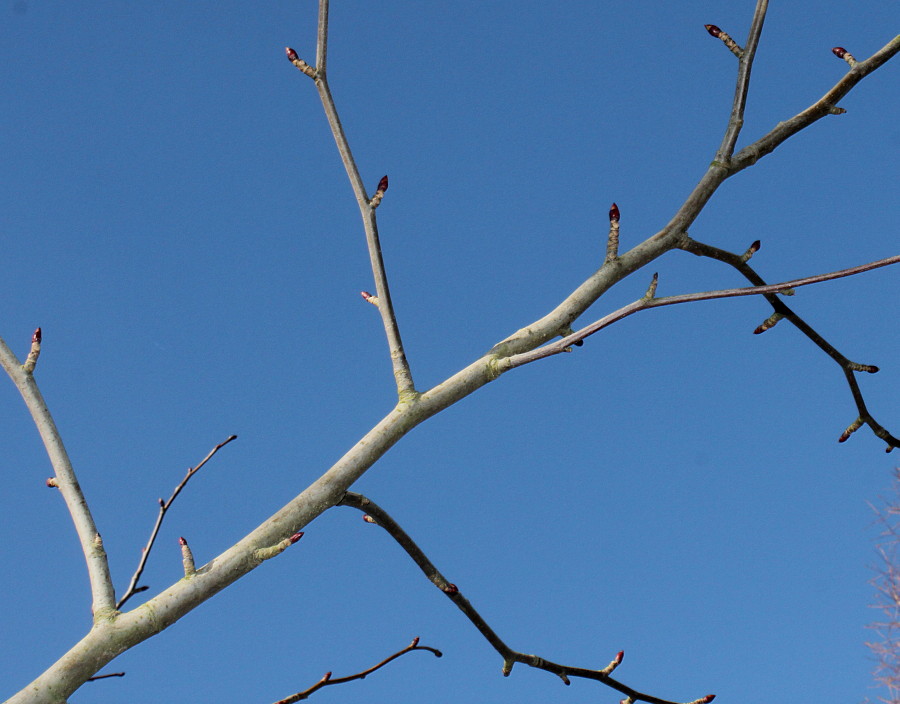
pixel 510 657
pixel 327 679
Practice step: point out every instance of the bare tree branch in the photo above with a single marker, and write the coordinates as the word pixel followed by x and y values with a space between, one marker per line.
pixel 102 592
pixel 402 374
pixel 783 311
pixel 327 679
pixel 163 508
pixel 376 514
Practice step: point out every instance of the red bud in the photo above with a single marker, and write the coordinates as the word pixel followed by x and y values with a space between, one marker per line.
pixel 708 698
pixel 713 30
pixel 295 537
pixel 291 54
pixel 37 336
pixel 365 294
pixel 415 642
pixel 619 656
pixel 614 213
pixel 451 588
pixel 383 184
pixel 839 51
pixel 368 519
pixel 182 541
pixel 326 676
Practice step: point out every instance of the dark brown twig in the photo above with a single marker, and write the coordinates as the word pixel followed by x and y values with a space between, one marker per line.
pixel 163 507
pixel 327 679
pixel 103 677
pixel 375 514
pixel 782 311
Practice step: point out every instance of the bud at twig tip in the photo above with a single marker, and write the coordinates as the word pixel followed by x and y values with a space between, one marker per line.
pixel 291 54
pixel 839 51
pixel 295 537
pixel 383 184
pixel 713 30
pixel 415 642
pixel 182 541
pixel 619 656
pixel 614 213
pixel 37 336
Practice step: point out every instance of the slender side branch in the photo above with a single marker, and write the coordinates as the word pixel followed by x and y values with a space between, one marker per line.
pixel 375 514
pixel 327 679
pixel 163 508
pixel 742 87
pixel 402 373
pixel 102 592
pixel 784 312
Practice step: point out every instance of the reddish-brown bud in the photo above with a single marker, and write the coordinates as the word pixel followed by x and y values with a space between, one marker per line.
pixel 295 537
pixel 368 519
pixel 713 30
pixel 291 54
pixel 451 588
pixel 326 676
pixel 839 51
pixel 51 482
pixel 415 642
pixel 162 503
pixel 708 698
pixel 619 656
pixel 755 246
pixel 614 213
pixel 383 184
pixel 37 336
pixel 365 294
pixel 182 541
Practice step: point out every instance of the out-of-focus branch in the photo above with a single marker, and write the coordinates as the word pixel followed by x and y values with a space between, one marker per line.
pixel 164 506
pixel 402 373
pixel 784 312
pixel 327 679
pixel 887 598
pixel 375 514
pixel 102 592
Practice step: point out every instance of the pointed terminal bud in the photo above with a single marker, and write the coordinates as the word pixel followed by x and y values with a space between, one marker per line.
pixel 182 541
pixel 295 537
pixel 754 248
pixel 713 30
pixel 704 700
pixel 383 184
pixel 852 428
pixel 614 213
pixel 37 336
pixel 839 51
pixel 326 676
pixel 162 504
pixel 291 54
pixel 415 642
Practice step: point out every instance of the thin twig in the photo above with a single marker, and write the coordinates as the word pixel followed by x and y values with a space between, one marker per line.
pixel 163 507
pixel 648 302
pixel 379 516
pixel 742 87
pixel 783 311
pixel 327 679
pixel 103 677
pixel 102 592
pixel 402 373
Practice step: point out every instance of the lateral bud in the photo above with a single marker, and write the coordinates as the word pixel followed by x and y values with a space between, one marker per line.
pixel 726 39
pixel 852 428
pixel 368 519
pixel 751 250
pixel 651 289
pixel 369 297
pixel 614 663
pixel 187 557
pixel 612 241
pixel 52 483
pixel 768 323
pixel 704 700
pixel 299 63
pixel 379 192
pixel 33 353
pixel 842 53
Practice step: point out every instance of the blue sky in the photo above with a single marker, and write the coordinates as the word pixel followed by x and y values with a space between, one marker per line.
pixel 177 220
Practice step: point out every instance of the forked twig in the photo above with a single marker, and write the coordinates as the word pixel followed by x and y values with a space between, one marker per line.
pixel 327 679
pixel 783 311
pixel 375 514
pixel 163 508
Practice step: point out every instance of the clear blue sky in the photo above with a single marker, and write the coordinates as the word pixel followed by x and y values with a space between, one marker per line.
pixel 176 218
